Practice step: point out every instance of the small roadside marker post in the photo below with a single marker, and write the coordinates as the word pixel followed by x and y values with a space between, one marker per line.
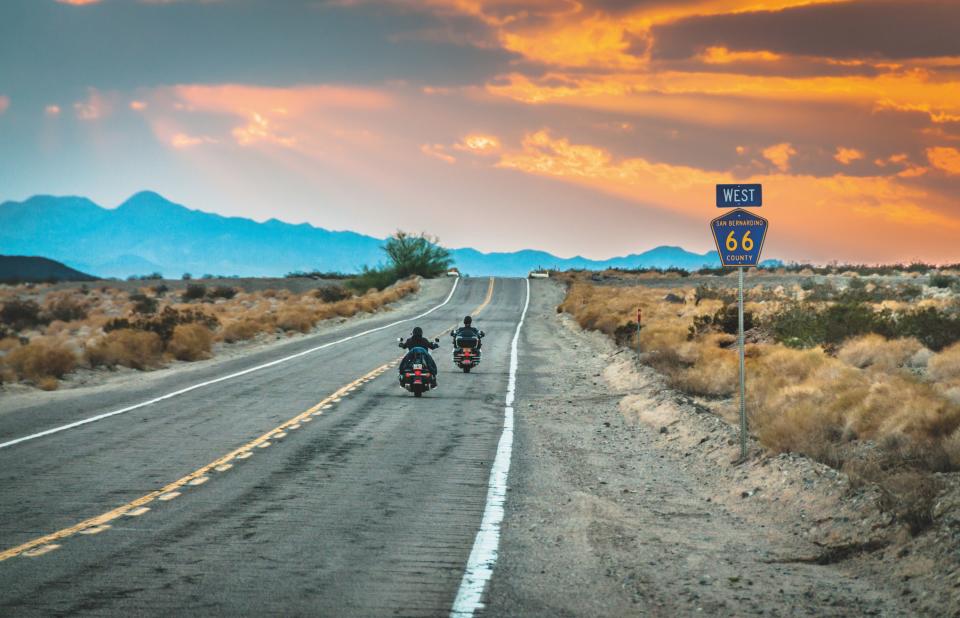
pixel 739 237
pixel 639 316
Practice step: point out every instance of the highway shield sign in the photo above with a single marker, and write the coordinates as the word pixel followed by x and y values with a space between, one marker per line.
pixel 739 235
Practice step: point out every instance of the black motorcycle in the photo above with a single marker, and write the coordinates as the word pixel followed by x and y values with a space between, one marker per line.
pixel 416 370
pixel 466 350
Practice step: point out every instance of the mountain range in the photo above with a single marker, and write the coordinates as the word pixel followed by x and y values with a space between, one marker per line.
pixel 148 233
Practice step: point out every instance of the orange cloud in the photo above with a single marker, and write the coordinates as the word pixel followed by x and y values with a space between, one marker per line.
pixel 945 159
pixel 438 151
pixel 260 129
pixel 182 140
pixel 78 2
pixel 4 103
pixel 722 55
pixel 52 110
pixel 885 212
pixel 846 156
pixel 273 115
pixel 478 143
pixel 138 106
pixel 779 155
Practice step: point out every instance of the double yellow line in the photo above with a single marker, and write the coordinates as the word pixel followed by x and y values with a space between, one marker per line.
pixel 46 543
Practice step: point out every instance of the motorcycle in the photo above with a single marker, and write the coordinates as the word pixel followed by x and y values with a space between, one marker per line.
pixel 414 371
pixel 466 351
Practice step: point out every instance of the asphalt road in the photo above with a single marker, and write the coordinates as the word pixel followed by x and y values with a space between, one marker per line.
pixel 366 503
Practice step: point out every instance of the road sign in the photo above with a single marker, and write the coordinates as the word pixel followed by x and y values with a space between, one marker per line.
pixel 739 236
pixel 734 196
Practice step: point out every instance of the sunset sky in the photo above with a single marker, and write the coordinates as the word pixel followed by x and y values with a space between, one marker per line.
pixel 596 128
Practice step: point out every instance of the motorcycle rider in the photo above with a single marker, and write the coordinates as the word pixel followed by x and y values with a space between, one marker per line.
pixel 417 340
pixel 467 330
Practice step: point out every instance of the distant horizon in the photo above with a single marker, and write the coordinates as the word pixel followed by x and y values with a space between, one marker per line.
pixel 442 243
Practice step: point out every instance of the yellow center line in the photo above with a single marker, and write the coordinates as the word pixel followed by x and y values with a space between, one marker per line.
pixel 483 305
pixel 135 506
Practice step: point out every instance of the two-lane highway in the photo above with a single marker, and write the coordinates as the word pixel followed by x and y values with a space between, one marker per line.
pixel 312 486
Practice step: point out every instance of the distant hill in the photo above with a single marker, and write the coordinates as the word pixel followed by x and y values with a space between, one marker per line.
pixel 148 233
pixel 27 269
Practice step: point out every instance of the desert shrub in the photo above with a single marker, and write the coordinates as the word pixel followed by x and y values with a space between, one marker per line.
pixel 877 351
pixel 847 319
pixel 411 254
pixel 222 291
pixel 190 342
pixel 64 307
pixel 243 329
pixel 725 320
pixel 296 319
pixel 144 304
pixel 714 371
pixel 372 279
pixel 21 314
pixel 160 289
pixel 933 328
pixel 945 366
pixel 186 276
pixel 910 497
pixel 798 326
pixel 332 293
pixel 165 322
pixel 194 291
pixel 136 349
pixel 709 292
pixel 39 360
pixel 940 280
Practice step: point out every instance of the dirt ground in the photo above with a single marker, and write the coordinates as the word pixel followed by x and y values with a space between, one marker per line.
pixel 625 501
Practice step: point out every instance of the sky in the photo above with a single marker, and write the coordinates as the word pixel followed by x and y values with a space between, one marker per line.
pixel 595 128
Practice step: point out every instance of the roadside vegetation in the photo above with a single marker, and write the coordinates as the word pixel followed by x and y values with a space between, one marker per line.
pixel 47 334
pixel 861 373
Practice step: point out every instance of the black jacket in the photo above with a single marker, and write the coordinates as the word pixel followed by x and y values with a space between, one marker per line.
pixel 467 331
pixel 419 342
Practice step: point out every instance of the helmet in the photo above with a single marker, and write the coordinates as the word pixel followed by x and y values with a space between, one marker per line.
pixel 467 320
pixel 417 331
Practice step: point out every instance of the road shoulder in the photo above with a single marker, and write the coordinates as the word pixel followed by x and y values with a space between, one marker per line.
pixel 604 519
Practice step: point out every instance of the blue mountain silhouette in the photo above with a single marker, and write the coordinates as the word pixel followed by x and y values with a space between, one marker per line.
pixel 149 233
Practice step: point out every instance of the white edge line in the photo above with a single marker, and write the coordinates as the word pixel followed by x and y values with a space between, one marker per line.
pixel 231 376
pixel 483 556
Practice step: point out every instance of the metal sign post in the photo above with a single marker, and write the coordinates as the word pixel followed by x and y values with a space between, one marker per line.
pixel 739 237
pixel 743 381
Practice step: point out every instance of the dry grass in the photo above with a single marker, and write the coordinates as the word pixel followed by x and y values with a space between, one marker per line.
pixel 299 319
pixel 41 362
pixel 58 323
pixel 945 366
pixel 878 352
pixel 190 342
pixel 874 391
pixel 126 347
pixel 244 329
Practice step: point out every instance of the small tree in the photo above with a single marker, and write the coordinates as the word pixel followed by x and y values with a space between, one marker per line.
pixel 416 255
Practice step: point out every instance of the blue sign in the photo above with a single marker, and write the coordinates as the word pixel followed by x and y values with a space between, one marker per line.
pixel 734 196
pixel 739 236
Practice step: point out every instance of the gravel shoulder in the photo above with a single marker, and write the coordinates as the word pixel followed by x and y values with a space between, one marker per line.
pixel 624 500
